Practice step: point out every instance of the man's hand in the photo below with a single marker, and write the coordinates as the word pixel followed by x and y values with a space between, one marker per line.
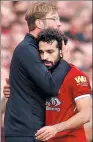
pixel 46 133
pixel 6 89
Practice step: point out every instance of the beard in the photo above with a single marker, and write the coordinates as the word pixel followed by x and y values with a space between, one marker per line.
pixel 53 65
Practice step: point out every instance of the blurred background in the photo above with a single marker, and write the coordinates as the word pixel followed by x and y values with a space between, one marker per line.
pixel 76 18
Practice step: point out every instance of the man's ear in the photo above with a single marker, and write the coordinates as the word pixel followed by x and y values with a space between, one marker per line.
pixel 39 23
pixel 61 55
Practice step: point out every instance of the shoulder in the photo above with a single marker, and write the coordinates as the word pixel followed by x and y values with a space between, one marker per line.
pixel 76 76
pixel 74 72
pixel 26 47
pixel 78 82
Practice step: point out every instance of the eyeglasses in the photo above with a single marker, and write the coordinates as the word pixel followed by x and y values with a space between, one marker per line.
pixel 54 19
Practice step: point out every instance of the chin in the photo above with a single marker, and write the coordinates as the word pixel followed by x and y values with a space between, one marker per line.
pixel 49 67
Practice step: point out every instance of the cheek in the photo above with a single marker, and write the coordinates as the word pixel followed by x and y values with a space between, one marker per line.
pixel 51 25
pixel 54 57
pixel 54 26
pixel 42 26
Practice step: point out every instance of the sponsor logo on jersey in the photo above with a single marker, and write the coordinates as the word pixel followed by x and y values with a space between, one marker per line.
pixel 80 79
pixel 53 104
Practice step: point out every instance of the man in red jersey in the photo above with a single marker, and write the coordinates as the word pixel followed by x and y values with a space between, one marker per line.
pixel 66 113
pixel 69 110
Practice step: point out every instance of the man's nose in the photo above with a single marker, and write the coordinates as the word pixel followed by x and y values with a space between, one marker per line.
pixel 59 23
pixel 45 56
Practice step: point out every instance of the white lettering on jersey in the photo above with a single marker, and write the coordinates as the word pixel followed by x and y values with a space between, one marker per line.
pixel 53 104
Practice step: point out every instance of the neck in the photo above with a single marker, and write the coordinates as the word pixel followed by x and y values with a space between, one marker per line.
pixel 35 32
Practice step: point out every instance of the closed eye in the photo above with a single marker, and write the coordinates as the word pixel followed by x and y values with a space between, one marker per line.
pixel 40 51
pixel 50 51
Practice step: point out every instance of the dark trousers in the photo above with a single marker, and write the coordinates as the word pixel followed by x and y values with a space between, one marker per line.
pixel 21 139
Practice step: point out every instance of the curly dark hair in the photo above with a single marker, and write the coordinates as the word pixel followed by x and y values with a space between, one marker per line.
pixel 49 35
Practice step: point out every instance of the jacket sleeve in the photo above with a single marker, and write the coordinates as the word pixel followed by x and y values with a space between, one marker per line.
pixel 38 73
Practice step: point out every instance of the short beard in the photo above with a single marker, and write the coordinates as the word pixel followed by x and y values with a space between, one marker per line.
pixel 54 66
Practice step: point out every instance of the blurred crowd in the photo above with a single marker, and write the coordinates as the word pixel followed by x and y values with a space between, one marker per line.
pixel 76 19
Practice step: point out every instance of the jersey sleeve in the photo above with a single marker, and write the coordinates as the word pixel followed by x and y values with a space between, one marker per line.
pixel 80 86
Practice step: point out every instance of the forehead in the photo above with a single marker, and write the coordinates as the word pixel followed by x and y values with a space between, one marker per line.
pixel 47 46
pixel 52 14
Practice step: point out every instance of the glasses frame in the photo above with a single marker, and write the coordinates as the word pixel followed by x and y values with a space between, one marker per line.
pixel 54 19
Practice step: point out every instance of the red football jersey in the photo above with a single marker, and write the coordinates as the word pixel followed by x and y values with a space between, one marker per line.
pixel 75 86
